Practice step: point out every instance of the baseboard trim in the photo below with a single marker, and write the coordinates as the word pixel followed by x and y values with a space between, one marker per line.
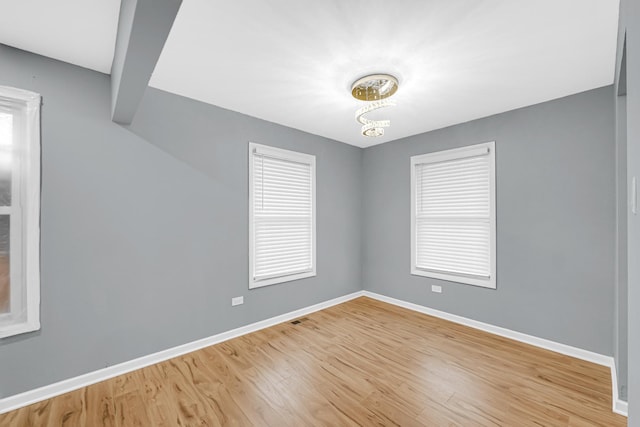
pixel 11 403
pixel 619 406
pixel 17 401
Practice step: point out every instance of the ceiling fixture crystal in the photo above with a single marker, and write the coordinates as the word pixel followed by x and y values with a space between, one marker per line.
pixel 374 90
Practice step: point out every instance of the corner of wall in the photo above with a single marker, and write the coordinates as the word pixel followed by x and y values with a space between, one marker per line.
pixel 362 219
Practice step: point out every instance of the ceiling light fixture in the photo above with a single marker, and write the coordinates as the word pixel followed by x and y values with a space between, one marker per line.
pixel 374 90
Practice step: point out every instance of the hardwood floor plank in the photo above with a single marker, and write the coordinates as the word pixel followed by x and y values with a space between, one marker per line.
pixel 68 410
pixel 361 363
pixel 21 417
pixel 28 416
pixel 162 408
pixel 99 408
pixel 130 407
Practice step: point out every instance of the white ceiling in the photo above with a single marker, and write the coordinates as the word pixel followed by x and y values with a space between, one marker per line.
pixel 293 61
pixel 80 32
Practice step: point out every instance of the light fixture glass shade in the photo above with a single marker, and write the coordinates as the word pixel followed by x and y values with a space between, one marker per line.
pixel 374 90
pixel 370 127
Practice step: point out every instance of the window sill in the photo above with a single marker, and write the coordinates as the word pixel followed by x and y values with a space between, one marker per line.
pixel 253 284
pixel 18 328
pixel 475 281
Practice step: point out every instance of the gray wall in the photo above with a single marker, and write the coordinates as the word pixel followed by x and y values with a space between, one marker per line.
pixel 144 229
pixel 620 308
pixel 555 221
pixel 630 23
pixel 621 347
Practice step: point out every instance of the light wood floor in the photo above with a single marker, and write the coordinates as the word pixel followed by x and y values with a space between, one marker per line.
pixel 360 363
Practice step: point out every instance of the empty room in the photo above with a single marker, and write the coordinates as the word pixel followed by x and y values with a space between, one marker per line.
pixel 328 213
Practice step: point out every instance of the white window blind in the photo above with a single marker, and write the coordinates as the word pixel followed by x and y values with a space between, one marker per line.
pixel 453 215
pixel 282 190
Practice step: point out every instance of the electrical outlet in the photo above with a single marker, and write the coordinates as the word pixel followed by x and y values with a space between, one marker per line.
pixel 237 301
pixel 436 289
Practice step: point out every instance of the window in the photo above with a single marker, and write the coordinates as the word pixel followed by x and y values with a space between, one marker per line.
pixel 19 211
pixel 282 220
pixel 453 225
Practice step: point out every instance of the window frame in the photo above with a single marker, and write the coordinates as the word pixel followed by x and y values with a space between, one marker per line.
pixel 452 154
pixel 24 213
pixel 291 156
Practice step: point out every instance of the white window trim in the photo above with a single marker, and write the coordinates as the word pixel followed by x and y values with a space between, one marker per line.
pixel 29 217
pixel 288 155
pixel 447 155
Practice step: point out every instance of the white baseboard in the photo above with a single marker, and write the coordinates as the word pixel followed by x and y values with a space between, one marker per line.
pixel 619 406
pixel 46 392
pixel 11 403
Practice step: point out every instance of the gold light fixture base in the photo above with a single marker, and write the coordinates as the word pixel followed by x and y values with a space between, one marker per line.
pixel 374 87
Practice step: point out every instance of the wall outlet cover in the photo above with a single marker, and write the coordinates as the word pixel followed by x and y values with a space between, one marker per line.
pixel 237 301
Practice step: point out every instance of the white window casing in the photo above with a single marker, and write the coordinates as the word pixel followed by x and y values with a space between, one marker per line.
pixel 19 211
pixel 282 215
pixel 453 215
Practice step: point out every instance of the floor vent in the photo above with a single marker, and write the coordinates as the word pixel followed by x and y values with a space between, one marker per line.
pixel 295 322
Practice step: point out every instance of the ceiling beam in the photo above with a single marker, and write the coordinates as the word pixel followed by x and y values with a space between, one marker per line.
pixel 143 29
